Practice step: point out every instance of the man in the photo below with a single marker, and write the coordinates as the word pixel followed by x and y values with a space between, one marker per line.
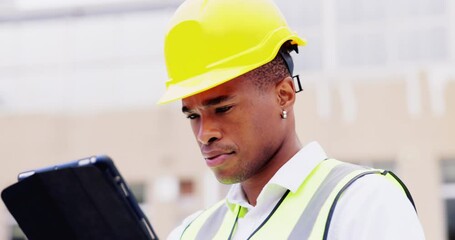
pixel 229 64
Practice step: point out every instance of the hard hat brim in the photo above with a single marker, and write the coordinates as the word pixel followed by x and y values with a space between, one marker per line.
pixel 200 83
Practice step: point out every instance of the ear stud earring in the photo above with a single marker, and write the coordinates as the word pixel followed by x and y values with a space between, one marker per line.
pixel 284 114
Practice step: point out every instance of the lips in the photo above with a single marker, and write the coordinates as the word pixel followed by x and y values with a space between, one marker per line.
pixel 216 158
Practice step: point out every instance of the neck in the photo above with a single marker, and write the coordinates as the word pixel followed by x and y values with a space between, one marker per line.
pixel 253 186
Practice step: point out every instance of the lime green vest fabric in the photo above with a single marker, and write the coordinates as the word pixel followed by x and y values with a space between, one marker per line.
pixel 304 214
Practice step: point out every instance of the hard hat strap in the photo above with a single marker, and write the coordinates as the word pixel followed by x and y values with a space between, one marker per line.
pixel 285 54
pixel 297 83
pixel 287 59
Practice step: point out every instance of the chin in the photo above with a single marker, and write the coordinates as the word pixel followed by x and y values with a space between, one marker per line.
pixel 228 180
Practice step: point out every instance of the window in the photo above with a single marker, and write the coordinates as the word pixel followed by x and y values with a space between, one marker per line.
pixel 374 33
pixel 448 179
pixel 350 34
pixel 351 11
pixel 360 48
pixel 414 44
pixel 305 17
pixel 450 218
pixel 187 199
pixel 186 187
pixel 309 57
pixel 448 171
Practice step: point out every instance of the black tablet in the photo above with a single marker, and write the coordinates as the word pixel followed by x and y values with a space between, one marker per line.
pixel 82 199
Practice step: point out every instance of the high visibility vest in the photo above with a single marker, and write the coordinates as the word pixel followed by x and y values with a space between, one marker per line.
pixel 305 214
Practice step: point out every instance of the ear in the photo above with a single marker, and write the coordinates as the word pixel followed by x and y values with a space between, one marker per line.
pixel 285 92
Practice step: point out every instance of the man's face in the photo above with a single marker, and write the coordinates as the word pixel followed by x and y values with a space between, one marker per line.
pixel 237 127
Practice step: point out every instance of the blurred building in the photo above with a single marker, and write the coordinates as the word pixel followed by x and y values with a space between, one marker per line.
pixel 81 79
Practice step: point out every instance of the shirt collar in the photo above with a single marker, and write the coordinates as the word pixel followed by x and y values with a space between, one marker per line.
pixel 293 172
pixel 289 176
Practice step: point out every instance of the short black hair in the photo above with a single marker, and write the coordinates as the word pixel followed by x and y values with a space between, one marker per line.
pixel 269 74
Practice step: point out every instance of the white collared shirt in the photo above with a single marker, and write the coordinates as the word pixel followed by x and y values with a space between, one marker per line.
pixel 371 208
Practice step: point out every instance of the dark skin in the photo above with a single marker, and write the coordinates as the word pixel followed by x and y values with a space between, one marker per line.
pixel 240 131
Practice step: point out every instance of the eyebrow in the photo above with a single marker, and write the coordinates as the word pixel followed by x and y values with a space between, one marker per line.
pixel 210 102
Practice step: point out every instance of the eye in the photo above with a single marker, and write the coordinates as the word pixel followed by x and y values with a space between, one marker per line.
pixel 223 109
pixel 192 116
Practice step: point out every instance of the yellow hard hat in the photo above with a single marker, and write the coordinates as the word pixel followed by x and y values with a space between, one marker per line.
pixel 210 42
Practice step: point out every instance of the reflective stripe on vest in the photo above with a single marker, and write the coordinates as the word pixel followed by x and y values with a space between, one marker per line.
pixel 305 214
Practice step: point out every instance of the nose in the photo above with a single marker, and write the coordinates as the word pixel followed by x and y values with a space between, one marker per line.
pixel 208 131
